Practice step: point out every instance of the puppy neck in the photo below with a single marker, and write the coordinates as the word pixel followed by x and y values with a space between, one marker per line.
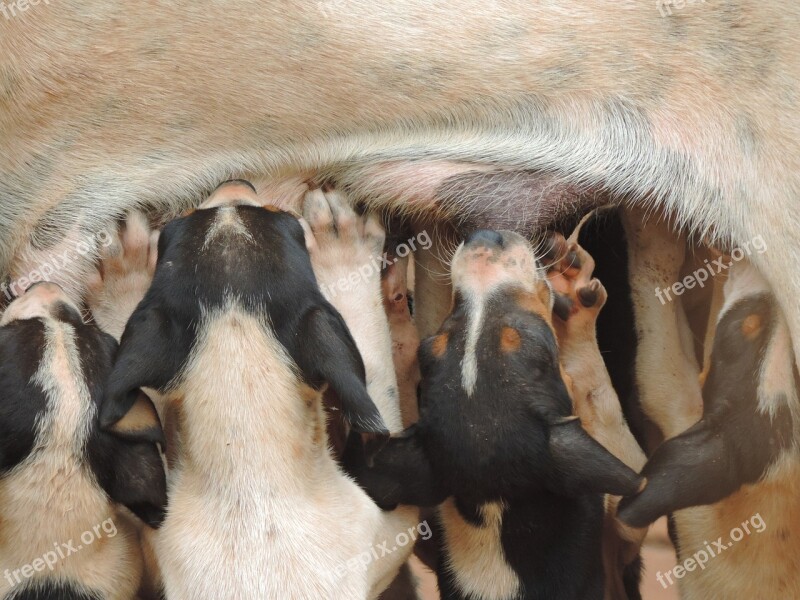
pixel 245 414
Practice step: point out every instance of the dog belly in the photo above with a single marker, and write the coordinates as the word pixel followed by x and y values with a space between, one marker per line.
pixel 473 196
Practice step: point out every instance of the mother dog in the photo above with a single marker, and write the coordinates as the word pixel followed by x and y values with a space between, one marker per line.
pixel 508 113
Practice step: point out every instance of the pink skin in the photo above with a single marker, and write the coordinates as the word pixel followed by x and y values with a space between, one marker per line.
pixel 231 193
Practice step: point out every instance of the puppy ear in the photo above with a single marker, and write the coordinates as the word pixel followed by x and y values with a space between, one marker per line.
pixel 328 353
pixel 151 352
pixel 399 472
pixel 141 423
pixel 581 465
pixel 128 464
pixel 692 469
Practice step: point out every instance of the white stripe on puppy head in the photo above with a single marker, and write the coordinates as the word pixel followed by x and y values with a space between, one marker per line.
pixel 67 421
pixel 469 364
pixel 227 221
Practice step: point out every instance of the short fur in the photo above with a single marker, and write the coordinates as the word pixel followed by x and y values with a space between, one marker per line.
pixel 60 472
pixel 694 110
pixel 241 361
pixel 740 459
pixel 522 480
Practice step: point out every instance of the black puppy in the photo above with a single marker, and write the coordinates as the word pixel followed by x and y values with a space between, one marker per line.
pixel 521 482
pixel 62 536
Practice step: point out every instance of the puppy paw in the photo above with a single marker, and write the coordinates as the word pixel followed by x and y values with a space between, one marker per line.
pixel 345 248
pixel 123 275
pixel 579 297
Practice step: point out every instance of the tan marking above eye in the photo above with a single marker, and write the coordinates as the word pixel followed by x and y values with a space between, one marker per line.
pixel 439 346
pixel 537 303
pixel 510 340
pixel 751 326
pixel 271 208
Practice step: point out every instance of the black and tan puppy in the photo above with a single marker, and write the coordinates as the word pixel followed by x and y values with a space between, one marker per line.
pixel 745 429
pixel 62 536
pixel 497 443
pixel 731 481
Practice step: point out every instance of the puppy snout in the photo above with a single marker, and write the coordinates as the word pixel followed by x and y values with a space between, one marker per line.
pixel 484 237
pixel 235 192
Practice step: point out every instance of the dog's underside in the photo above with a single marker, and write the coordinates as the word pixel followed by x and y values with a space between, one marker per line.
pixel 505 114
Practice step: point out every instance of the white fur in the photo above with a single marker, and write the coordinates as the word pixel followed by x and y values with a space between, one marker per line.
pixel 469 364
pixel 260 520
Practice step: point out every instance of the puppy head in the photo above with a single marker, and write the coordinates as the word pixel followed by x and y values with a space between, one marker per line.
pixel 233 252
pixel 53 373
pixel 496 412
pixel 748 397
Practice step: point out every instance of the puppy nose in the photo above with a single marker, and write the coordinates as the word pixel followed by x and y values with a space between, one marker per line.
pixel 484 237
pixel 235 192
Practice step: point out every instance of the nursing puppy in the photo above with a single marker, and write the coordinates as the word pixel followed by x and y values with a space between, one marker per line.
pixel 258 507
pixel 519 480
pixel 60 474
pixel 739 465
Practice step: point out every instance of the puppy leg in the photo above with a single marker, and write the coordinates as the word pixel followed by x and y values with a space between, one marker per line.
pixel 346 253
pixel 405 339
pixel 666 367
pixel 123 275
pixel 594 397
